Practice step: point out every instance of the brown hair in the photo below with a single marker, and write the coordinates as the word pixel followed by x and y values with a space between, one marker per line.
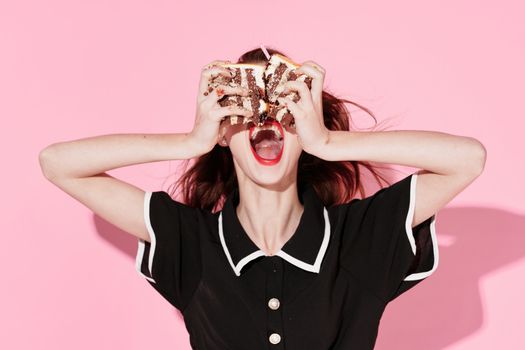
pixel 212 177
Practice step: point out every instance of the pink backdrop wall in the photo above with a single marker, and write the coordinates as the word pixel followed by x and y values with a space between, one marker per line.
pixel 75 69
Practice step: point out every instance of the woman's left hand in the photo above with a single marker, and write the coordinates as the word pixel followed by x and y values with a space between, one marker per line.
pixel 308 111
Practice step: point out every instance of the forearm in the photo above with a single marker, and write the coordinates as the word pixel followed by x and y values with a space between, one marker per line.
pixel 94 155
pixel 437 152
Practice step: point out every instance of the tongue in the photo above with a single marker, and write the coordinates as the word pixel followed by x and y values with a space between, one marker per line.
pixel 268 149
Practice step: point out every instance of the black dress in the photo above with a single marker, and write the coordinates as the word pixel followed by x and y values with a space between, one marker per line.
pixel 326 289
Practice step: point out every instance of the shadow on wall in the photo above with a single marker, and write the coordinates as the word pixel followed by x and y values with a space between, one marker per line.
pixel 126 244
pixel 446 307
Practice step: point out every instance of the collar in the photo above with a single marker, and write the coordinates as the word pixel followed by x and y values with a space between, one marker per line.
pixel 305 249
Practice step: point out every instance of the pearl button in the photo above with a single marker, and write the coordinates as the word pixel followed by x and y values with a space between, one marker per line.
pixel 275 338
pixel 273 303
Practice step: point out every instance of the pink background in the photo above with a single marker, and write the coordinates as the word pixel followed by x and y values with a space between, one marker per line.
pixel 73 69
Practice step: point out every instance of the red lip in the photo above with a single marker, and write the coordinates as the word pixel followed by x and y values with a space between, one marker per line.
pixel 263 160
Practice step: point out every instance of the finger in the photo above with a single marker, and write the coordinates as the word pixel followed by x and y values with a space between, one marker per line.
pixel 315 65
pixel 218 92
pixel 291 105
pixel 317 80
pixel 222 112
pixel 288 120
pixel 301 88
pixel 208 74
pixel 213 95
pixel 311 69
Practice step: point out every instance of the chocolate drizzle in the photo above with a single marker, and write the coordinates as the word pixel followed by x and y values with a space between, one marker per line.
pixel 273 82
pixel 237 76
pixel 235 80
pixel 254 92
pixel 262 101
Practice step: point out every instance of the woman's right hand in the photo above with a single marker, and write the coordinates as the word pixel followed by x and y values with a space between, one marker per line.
pixel 205 133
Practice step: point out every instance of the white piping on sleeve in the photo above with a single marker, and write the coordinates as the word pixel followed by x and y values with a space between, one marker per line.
pixel 410 233
pixel 142 243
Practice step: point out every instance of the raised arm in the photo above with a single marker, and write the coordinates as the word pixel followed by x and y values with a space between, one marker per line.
pixel 79 168
pixel 449 163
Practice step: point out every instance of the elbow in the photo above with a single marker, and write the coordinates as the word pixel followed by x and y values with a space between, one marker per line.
pixel 45 159
pixel 477 157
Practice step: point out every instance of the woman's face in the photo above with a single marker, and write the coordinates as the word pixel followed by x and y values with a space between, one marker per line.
pixel 248 167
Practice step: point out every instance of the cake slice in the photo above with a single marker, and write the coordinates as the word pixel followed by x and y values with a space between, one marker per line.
pixel 279 70
pixel 266 84
pixel 249 76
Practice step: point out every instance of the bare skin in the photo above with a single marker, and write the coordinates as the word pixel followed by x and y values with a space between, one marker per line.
pixel 269 207
pixel 448 163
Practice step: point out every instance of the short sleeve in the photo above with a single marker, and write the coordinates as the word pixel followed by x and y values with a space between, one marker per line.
pixel 381 247
pixel 171 262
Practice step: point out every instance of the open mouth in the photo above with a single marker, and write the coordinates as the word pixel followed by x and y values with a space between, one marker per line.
pixel 267 142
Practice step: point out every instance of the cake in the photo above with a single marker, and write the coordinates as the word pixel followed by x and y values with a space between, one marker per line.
pixel 278 71
pixel 249 76
pixel 266 85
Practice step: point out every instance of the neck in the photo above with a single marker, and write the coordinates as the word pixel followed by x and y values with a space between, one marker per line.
pixel 269 215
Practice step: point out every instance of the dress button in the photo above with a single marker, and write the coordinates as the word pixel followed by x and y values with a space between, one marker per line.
pixel 273 303
pixel 275 338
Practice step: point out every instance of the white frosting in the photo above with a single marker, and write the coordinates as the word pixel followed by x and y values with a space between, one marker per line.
pixel 259 73
pixel 275 61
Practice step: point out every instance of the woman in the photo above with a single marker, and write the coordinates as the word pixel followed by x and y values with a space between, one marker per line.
pixel 291 260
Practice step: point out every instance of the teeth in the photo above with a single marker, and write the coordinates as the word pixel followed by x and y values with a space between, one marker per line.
pixel 271 127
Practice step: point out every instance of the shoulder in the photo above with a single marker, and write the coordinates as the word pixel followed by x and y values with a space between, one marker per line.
pixel 168 214
pixel 163 203
pixel 385 198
